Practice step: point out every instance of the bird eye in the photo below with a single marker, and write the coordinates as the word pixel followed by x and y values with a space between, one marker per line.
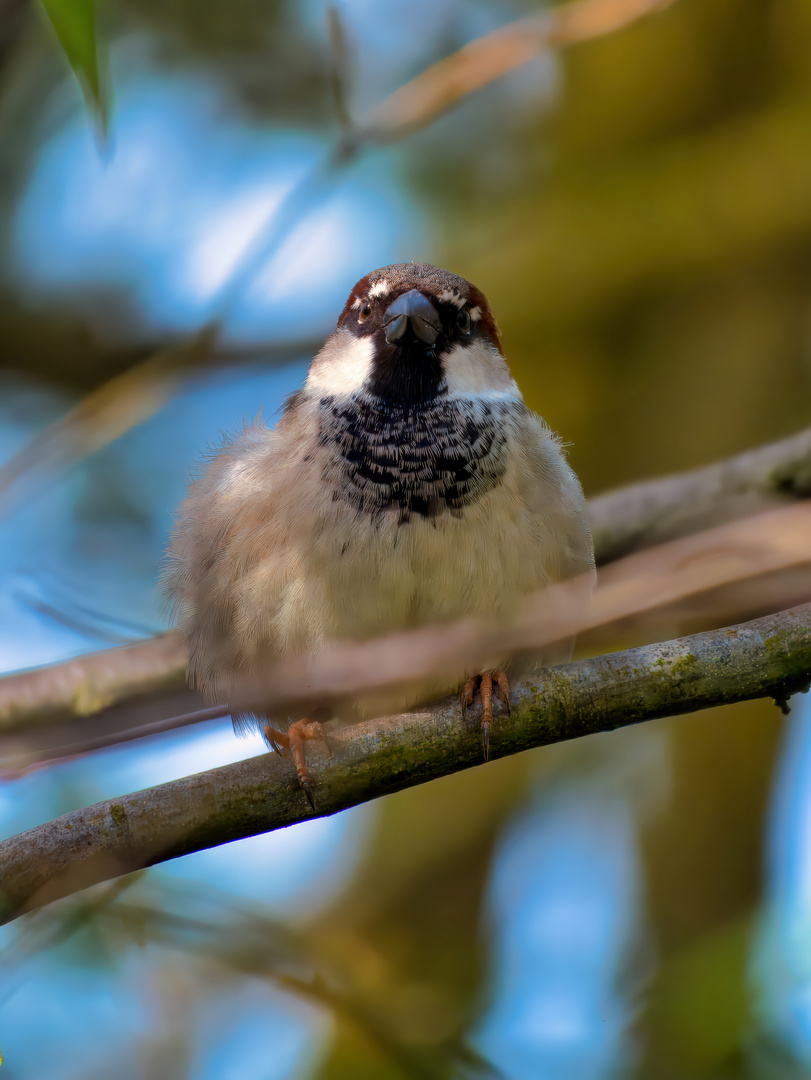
pixel 463 320
pixel 365 311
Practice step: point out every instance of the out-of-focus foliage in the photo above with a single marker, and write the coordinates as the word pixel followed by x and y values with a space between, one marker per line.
pixel 75 24
pixel 638 212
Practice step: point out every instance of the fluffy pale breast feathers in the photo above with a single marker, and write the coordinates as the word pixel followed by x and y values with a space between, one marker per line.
pixel 362 513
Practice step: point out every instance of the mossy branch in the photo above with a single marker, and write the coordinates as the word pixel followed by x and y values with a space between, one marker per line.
pixel 769 657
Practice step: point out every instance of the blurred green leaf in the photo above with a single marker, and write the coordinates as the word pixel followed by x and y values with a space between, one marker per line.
pixel 75 24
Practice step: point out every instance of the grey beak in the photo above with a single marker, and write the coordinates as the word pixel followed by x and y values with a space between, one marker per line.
pixel 412 307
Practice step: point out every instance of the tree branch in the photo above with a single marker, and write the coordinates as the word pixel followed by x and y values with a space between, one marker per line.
pixel 95 682
pixel 143 685
pixel 651 512
pixel 769 657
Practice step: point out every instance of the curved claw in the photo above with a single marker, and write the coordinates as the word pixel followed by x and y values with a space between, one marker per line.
pixel 308 793
pixel 486 741
pixel 298 734
pixel 502 682
pixel 484 683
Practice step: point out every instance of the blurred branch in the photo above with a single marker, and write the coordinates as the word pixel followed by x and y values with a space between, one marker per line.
pixel 226 931
pixel 769 657
pixel 107 412
pixel 494 55
pixel 340 67
pixel 651 512
pixel 140 689
pixel 12 17
pixel 128 399
pixel 89 684
pixel 132 396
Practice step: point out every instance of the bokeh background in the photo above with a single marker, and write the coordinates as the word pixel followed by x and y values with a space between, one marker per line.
pixel 638 211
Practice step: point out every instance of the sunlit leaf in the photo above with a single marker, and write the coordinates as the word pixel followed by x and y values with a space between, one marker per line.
pixel 75 24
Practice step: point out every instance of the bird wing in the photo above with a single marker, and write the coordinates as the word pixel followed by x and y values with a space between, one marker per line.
pixel 559 520
pixel 211 545
pixel 555 501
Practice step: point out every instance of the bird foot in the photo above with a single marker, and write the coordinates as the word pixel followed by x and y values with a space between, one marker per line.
pixel 293 739
pixel 484 685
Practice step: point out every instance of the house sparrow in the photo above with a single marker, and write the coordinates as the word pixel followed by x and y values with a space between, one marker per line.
pixel 405 483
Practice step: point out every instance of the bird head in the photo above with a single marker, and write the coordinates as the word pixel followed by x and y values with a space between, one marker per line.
pixel 410 333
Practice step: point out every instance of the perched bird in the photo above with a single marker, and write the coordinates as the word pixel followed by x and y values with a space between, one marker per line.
pixel 405 483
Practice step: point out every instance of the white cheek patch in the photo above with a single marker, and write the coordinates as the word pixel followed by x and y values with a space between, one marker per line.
pixel 479 370
pixel 342 366
pixel 448 297
pixel 380 289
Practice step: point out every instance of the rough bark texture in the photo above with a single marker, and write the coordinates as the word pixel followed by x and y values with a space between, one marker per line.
pixel 766 657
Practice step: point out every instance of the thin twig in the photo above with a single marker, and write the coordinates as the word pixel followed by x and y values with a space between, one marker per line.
pixel 340 67
pixel 106 413
pixel 491 57
pixel 129 398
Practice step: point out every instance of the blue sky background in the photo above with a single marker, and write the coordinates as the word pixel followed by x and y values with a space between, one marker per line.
pixel 166 212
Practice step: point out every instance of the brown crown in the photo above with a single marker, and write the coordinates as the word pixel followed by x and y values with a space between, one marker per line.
pixel 431 280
